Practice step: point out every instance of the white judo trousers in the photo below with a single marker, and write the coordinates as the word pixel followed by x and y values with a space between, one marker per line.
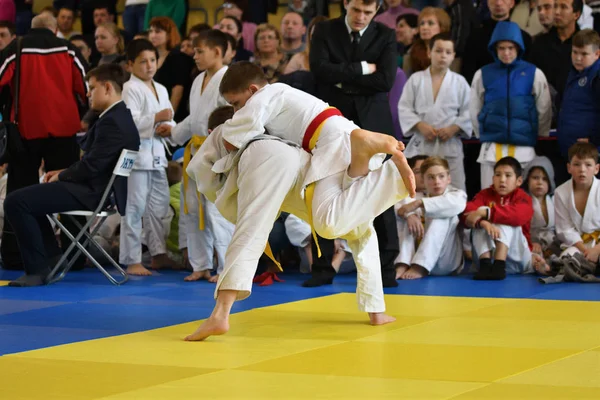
pixel 203 244
pixel 270 179
pixel 518 260
pixel 147 205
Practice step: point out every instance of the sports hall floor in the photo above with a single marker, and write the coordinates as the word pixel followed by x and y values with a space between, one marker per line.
pixel 454 339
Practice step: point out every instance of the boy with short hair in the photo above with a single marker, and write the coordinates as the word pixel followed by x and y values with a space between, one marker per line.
pixel 500 218
pixel 148 188
pixel 439 251
pixel 510 103
pixel 206 232
pixel 579 116
pixel 577 202
pixel 434 109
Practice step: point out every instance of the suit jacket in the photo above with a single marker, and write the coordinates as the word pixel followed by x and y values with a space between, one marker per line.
pixel 87 179
pixel 361 98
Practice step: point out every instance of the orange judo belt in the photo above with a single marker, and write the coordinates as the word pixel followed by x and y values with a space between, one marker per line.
pixel 311 136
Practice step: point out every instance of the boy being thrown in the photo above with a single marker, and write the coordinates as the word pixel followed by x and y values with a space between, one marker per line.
pixel 345 198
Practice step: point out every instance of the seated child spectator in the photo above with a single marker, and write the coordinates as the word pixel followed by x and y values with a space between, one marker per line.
pixel 500 218
pixel 440 250
pixel 579 116
pixel 434 109
pixel 577 202
pixel 539 183
pixel 508 119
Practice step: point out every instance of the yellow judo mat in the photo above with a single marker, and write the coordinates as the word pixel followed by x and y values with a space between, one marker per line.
pixel 439 348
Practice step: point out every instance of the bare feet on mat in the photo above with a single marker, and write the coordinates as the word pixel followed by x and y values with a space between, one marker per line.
pixel 365 144
pixel 138 269
pixel 539 264
pixel 211 327
pixel 198 275
pixel 408 177
pixel 161 261
pixel 214 278
pixel 380 318
pixel 400 270
pixel 415 272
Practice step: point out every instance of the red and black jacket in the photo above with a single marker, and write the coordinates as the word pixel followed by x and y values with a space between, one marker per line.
pixel 52 77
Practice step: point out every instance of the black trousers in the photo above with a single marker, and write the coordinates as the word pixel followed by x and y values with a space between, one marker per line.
pixel 26 209
pixel 387 237
pixel 23 171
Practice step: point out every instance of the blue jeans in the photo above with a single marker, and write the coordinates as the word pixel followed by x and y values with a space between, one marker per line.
pixel 133 19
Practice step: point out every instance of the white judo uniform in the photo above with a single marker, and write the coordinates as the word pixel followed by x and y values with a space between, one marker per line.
pixel 147 186
pixel 491 152
pixel 250 187
pixel 340 204
pixel 215 237
pixel 572 227
pixel 440 251
pixel 451 107
pixel 543 231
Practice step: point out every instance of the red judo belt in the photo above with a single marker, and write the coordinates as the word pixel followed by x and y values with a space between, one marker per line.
pixel 314 128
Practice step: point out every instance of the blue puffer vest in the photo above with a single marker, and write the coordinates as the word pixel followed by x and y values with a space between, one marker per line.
pixel 509 114
pixel 579 116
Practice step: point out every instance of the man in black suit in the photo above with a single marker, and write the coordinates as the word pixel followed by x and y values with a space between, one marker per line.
pixel 78 187
pixel 354 63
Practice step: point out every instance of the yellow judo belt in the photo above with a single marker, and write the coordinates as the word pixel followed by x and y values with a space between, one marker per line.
pixel 588 237
pixel 311 136
pixel 197 141
pixel 511 151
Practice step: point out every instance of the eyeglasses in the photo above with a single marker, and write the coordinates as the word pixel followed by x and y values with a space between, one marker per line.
pixel 267 37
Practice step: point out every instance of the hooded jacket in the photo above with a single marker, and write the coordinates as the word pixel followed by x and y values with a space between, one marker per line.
pixel 509 114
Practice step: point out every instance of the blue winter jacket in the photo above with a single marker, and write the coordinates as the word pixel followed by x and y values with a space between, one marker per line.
pixel 509 114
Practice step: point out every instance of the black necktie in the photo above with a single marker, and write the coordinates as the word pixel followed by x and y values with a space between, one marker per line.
pixel 355 44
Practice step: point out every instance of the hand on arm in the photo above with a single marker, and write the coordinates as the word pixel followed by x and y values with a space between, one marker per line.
pixel 410 207
pixel 474 216
pixel 415 226
pixel 164 130
pixel 52 176
pixel 491 230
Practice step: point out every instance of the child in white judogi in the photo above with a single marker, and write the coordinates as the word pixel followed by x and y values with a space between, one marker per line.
pixel 500 218
pixel 216 234
pixel 147 186
pixel 439 251
pixel 577 204
pixel 510 103
pixel 434 110
pixel 539 181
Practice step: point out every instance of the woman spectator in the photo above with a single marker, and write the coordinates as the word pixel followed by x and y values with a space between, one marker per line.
pixel 174 67
pixel 110 44
pixel 268 54
pixel 407 28
pixel 239 9
pixel 431 22
pixel 234 27
pixel 299 61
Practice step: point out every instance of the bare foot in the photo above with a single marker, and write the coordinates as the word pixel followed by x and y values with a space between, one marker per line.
pixel 400 270
pixel 380 318
pixel 408 176
pixel 138 269
pixel 162 261
pixel 211 327
pixel 214 278
pixel 365 144
pixel 415 272
pixel 197 275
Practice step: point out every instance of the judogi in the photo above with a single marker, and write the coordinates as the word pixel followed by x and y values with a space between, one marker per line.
pixel 572 227
pixel 216 235
pixel 451 107
pixel 147 186
pixel 440 250
pixel 250 187
pixel 340 203
pixel 543 231
pixel 491 152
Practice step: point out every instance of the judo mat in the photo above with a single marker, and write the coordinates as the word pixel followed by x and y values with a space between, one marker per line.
pixel 453 339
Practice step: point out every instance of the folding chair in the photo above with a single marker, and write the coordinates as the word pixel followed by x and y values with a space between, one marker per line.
pixel 122 168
